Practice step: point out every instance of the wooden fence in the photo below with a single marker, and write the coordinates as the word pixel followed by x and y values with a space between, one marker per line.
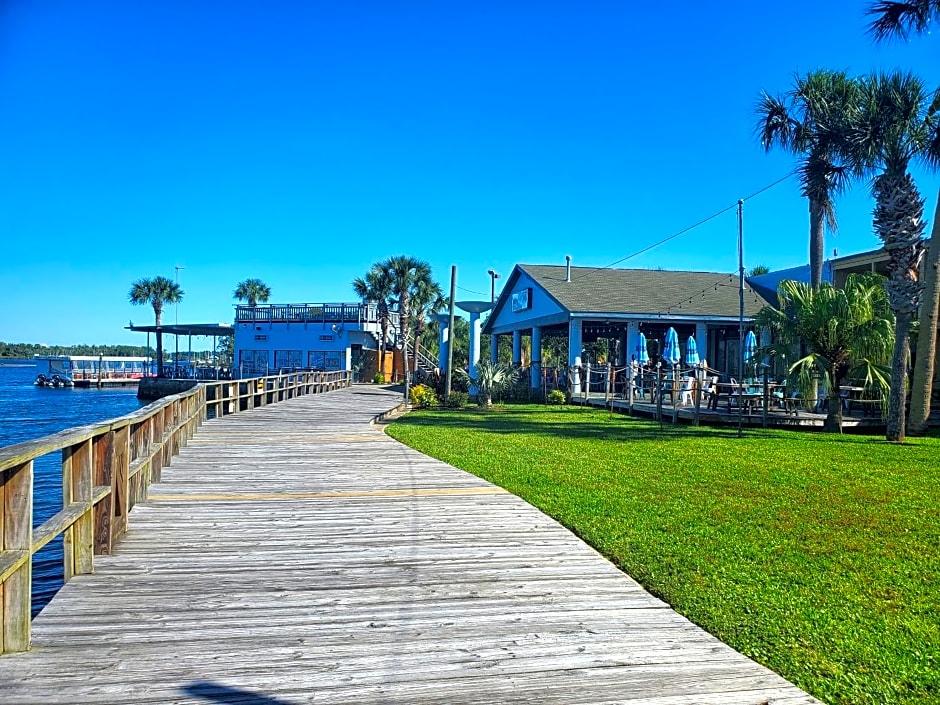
pixel 107 468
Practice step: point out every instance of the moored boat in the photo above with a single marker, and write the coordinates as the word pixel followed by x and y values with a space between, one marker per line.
pixel 90 370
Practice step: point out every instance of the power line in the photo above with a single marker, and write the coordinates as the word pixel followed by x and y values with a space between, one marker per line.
pixel 471 291
pixel 684 230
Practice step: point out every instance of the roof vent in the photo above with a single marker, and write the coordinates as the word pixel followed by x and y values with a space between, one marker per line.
pixel 567 268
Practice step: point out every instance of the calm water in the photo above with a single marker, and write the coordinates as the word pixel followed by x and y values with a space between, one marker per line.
pixel 28 412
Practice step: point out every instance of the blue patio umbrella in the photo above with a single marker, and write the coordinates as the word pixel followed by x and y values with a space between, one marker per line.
pixel 691 352
pixel 671 351
pixel 642 356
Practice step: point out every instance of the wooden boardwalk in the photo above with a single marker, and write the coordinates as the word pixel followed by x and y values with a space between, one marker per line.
pixel 295 554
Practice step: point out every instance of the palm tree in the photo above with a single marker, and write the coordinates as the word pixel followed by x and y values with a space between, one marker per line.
pixel 428 298
pixel 849 333
pixel 377 287
pixel 491 377
pixel 804 121
pixel 897 123
pixel 156 292
pixel 254 291
pixel 406 275
pixel 898 19
pixel 758 269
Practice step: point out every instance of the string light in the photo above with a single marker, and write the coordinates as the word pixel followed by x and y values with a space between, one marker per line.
pixel 683 231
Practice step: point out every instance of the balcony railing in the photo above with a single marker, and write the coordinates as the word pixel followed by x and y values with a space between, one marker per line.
pixel 309 313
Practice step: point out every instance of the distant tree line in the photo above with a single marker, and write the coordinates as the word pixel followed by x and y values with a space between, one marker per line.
pixel 27 350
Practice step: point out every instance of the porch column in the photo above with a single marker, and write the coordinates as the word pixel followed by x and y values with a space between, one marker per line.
pixel 535 370
pixel 494 348
pixel 623 358
pixel 701 340
pixel 574 353
pixel 516 348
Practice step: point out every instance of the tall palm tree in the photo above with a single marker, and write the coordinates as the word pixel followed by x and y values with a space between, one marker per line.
pixel 897 123
pixel 848 331
pixel 804 121
pixel 156 292
pixel 376 287
pixel 428 298
pixel 407 275
pixel 898 19
pixel 254 291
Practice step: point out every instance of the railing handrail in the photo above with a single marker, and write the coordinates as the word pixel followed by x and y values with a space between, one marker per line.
pixel 310 312
pixel 107 467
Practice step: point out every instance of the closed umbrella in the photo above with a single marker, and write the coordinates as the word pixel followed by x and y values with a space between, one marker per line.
pixel 642 356
pixel 750 349
pixel 671 351
pixel 691 352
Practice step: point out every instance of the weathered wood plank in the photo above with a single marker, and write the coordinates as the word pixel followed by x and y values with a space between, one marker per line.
pixel 294 553
pixel 16 508
pixel 57 523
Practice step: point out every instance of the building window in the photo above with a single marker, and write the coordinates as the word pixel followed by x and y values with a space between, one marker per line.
pixel 288 359
pixel 325 360
pixel 253 362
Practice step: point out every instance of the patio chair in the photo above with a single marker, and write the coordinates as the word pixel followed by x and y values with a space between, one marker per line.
pixel 686 391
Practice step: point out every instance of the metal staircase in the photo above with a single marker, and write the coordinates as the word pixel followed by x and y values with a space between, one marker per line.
pixel 426 366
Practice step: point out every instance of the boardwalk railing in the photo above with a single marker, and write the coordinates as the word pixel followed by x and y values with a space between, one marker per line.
pixel 107 468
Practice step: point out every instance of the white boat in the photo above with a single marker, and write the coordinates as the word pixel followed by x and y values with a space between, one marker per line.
pixel 91 370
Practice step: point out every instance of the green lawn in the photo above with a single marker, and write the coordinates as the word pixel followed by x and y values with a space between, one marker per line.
pixel 816 555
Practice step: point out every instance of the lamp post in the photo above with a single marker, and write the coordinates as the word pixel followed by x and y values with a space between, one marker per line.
pixel 493 277
pixel 176 318
pixel 494 340
pixel 178 268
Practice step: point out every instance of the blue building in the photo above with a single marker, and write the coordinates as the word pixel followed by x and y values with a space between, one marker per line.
pixel 586 304
pixel 328 336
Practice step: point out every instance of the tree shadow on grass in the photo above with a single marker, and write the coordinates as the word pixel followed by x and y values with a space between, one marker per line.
pixel 217 693
pixel 576 424
pixel 568 426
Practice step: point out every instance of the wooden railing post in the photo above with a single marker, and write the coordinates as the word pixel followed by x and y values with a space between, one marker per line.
pixel 79 539
pixel 156 436
pixel 16 535
pixel 102 450
pixel 120 482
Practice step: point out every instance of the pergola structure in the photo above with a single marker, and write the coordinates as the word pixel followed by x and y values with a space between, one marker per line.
pixel 211 330
pixel 587 304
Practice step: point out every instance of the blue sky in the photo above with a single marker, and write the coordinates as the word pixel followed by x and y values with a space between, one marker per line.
pixel 299 142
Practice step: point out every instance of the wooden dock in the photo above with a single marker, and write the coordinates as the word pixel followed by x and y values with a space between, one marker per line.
pixel 295 554
pixel 800 419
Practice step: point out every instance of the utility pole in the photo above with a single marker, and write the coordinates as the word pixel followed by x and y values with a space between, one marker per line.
pixel 741 316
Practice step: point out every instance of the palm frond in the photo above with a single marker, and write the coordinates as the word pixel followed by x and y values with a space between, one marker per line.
pixel 899 19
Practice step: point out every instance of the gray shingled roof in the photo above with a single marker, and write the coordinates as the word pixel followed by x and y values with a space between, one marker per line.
pixel 644 291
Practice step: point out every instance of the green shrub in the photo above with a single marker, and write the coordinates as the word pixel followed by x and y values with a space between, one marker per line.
pixel 379 378
pixel 423 397
pixel 457 399
pixel 556 397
